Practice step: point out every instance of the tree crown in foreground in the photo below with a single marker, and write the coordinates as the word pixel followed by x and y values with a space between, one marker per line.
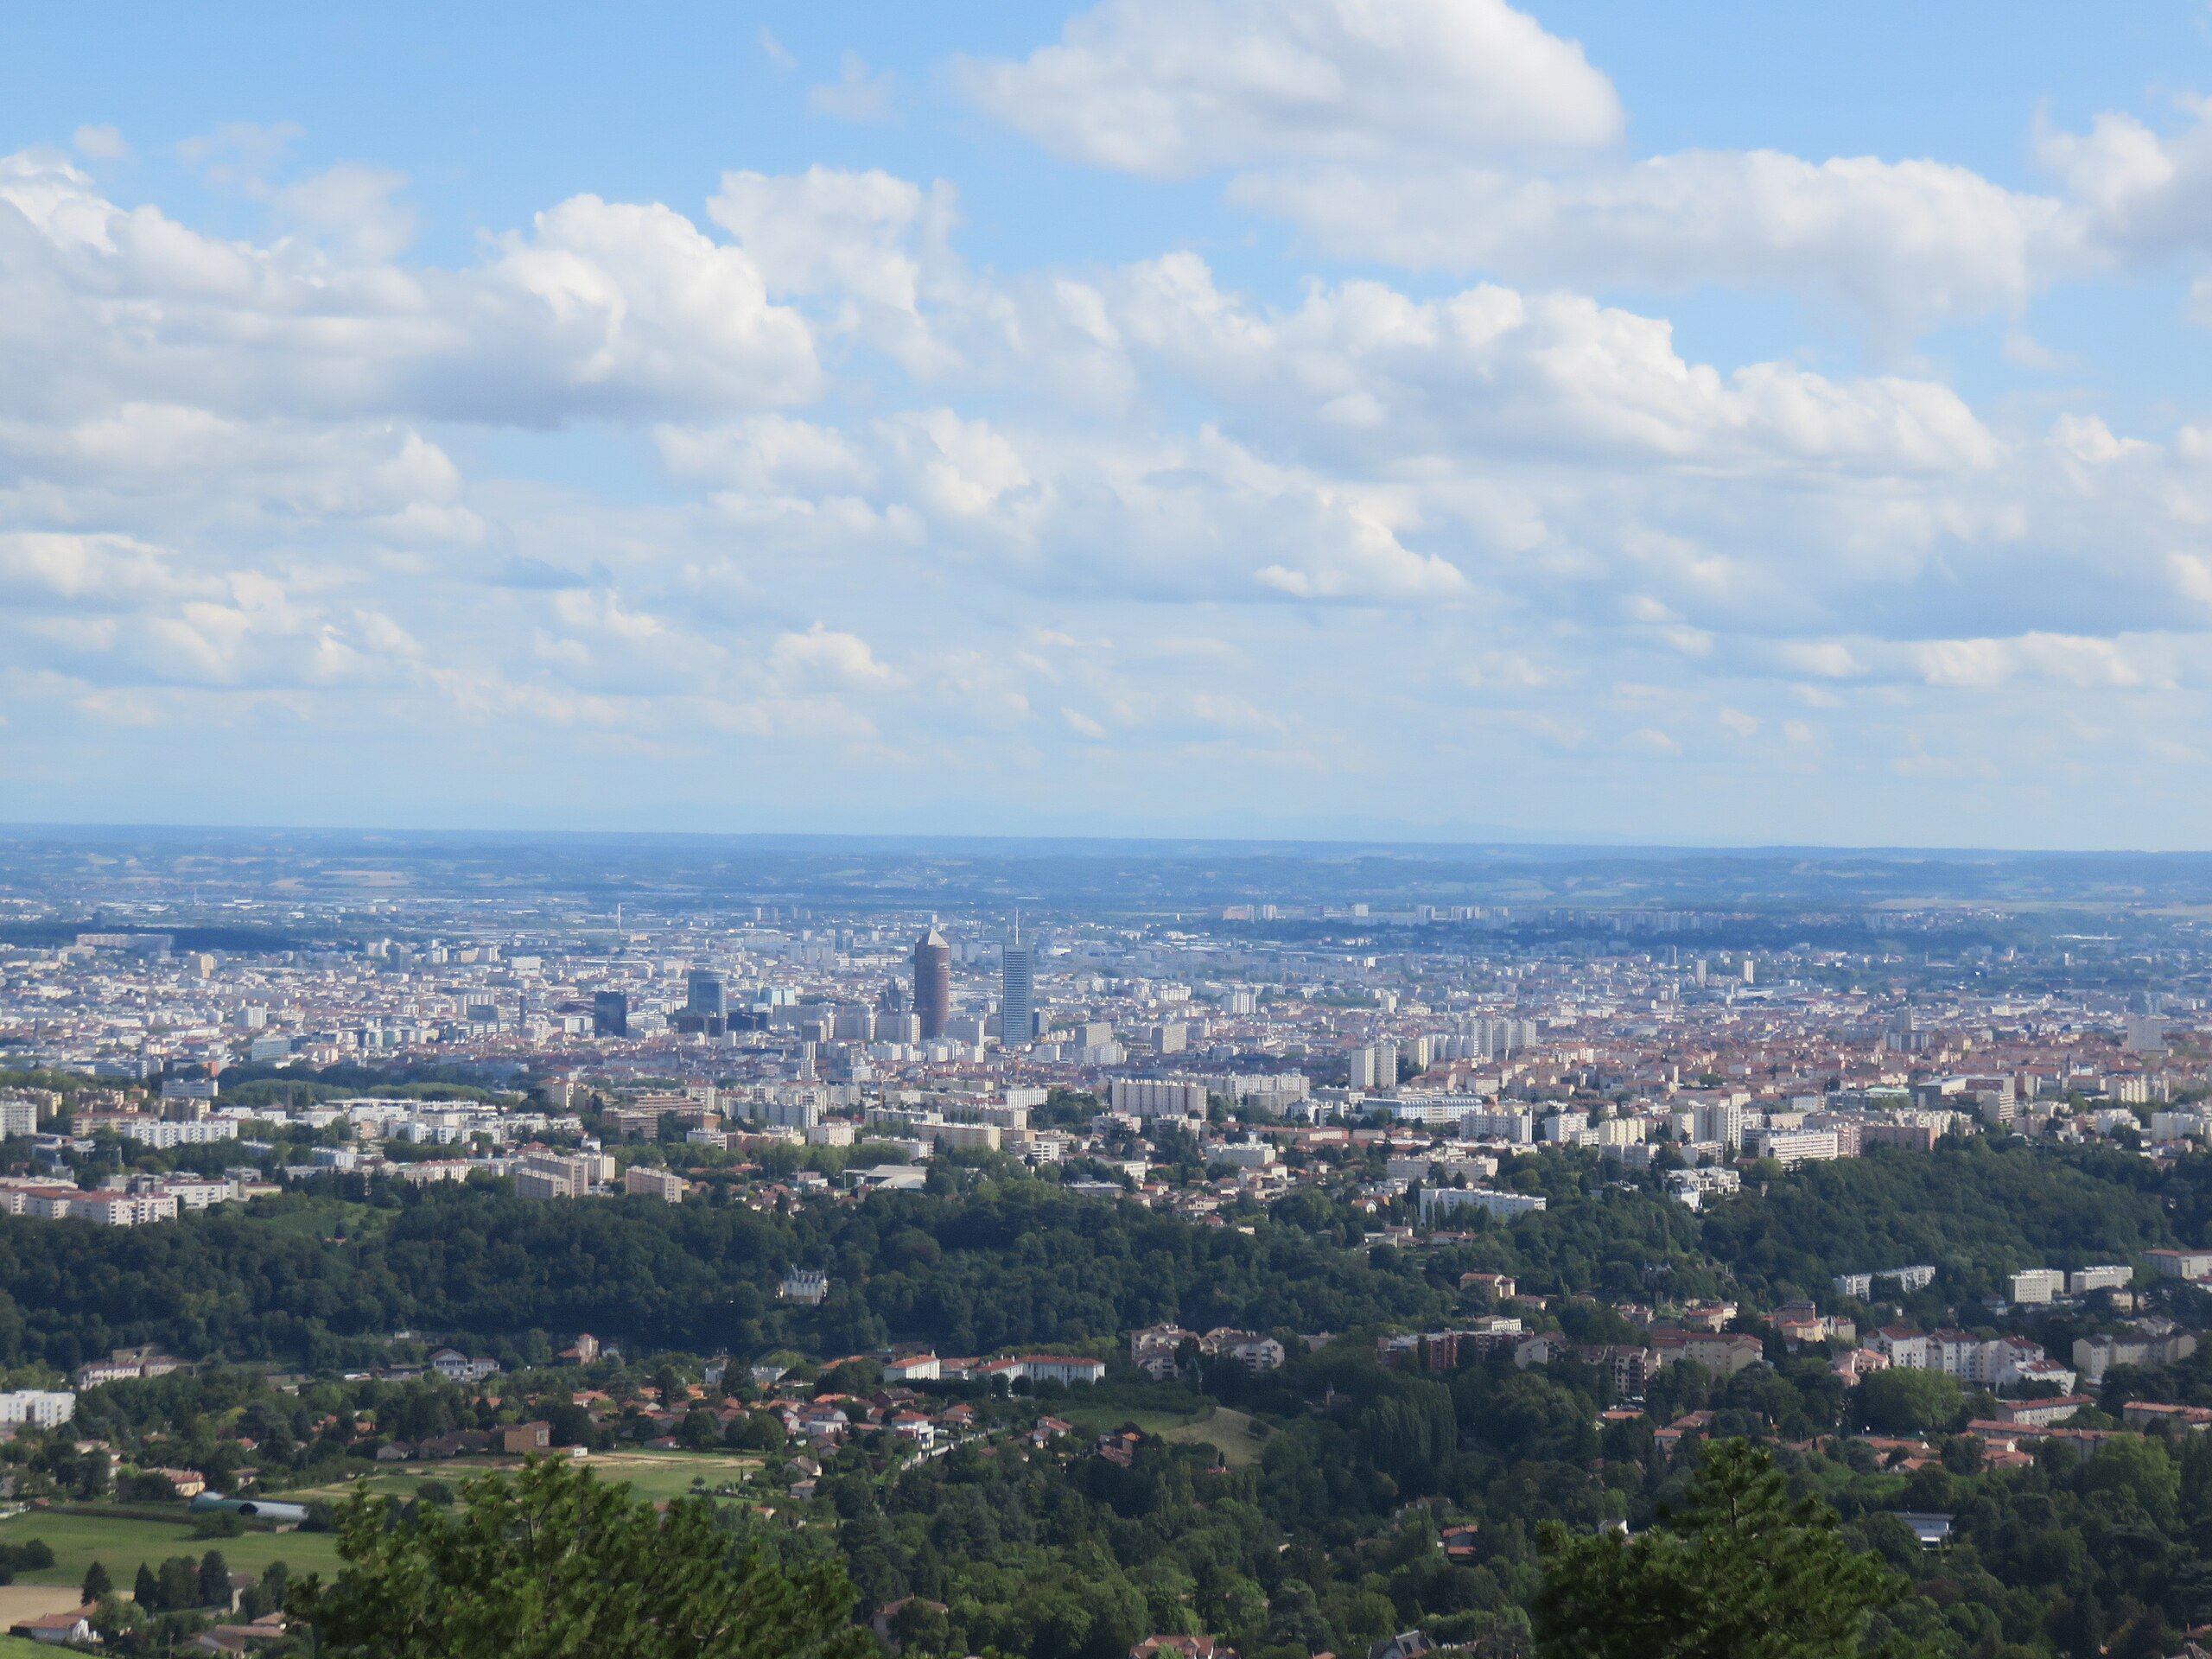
pixel 1740 1571
pixel 554 1562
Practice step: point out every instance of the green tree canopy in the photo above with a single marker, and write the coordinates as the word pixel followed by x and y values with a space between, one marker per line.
pixel 1900 1401
pixel 1740 1571
pixel 554 1561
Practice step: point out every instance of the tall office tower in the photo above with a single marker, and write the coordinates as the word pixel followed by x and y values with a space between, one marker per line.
pixel 932 984
pixel 704 993
pixel 610 1014
pixel 1017 988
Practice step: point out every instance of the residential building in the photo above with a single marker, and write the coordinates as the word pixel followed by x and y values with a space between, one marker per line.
pixel 2154 1345
pixel 1903 1347
pixel 37 1408
pixel 557 1175
pixel 1247 1348
pixel 2083 1281
pixel 1723 1352
pixel 457 1367
pixel 2042 1413
pixel 662 1184
pixel 1444 1200
pixel 73 1629
pixel 1720 1124
pixel 2191 1265
pixel 1158 1096
pixel 1791 1148
pixel 1519 1128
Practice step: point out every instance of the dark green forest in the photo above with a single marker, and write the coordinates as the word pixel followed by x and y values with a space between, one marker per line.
pixel 319 1277
pixel 1335 1533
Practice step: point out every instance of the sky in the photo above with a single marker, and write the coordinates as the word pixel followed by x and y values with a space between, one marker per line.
pixel 1705 424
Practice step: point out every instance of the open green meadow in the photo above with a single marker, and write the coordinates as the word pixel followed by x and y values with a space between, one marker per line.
pixel 651 1474
pixel 120 1542
pixel 1228 1432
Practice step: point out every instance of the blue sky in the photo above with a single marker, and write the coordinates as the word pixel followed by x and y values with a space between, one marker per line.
pixel 1710 423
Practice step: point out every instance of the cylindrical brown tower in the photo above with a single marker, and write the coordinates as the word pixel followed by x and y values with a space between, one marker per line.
pixel 933 982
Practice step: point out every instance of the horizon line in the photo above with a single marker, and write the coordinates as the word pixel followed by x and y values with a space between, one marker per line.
pixel 10 830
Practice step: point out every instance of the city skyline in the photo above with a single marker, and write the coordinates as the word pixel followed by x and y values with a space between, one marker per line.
pixel 1140 830
pixel 1435 422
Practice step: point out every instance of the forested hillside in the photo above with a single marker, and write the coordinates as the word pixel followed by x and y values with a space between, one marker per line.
pixel 315 1277
pixel 1325 1530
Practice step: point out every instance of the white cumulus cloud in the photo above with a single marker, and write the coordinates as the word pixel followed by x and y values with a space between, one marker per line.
pixel 1175 89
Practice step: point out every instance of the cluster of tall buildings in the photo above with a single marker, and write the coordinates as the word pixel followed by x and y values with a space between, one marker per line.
pixel 932 965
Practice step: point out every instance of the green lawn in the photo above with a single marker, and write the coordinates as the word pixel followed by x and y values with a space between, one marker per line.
pixel 22 1647
pixel 669 1474
pixel 401 1483
pixel 318 1217
pixel 651 1474
pixel 120 1543
pixel 1099 1420
pixel 1228 1432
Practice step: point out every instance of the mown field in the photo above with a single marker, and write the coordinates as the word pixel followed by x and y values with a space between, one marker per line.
pixel 1205 1424
pixel 120 1542
pixel 651 1474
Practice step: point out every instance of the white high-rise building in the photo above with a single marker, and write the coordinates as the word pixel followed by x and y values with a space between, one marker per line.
pixel 1723 1124
pixel 1359 1069
pixel 1017 988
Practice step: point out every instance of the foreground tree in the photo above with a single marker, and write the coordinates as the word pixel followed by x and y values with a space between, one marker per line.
pixel 556 1562
pixel 1740 1571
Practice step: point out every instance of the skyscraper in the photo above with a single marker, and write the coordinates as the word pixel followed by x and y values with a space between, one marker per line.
pixel 706 1005
pixel 1017 988
pixel 703 992
pixel 932 984
pixel 610 1014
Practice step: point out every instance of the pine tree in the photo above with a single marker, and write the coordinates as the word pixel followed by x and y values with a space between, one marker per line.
pixel 98 1583
pixel 1740 1573
pixel 214 1579
pixel 180 1582
pixel 146 1589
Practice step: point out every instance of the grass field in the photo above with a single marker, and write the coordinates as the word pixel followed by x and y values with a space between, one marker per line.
pixel 1228 1432
pixel 323 1218
pixel 121 1543
pixel 651 1474
pixel 669 1474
